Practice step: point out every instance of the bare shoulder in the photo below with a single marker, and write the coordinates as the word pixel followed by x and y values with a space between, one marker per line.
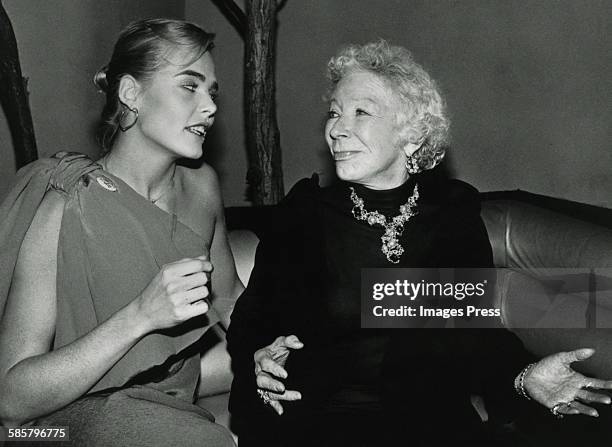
pixel 201 183
pixel 199 203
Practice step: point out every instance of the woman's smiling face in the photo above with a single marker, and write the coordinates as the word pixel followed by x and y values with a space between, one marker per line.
pixel 362 133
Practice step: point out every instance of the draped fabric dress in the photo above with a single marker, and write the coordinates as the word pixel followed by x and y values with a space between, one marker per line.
pixel 368 387
pixel 112 243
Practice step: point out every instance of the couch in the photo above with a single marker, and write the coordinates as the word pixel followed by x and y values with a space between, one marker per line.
pixel 527 239
pixel 535 245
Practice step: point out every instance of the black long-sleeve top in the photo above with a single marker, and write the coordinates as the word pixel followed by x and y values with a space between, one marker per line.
pixel 306 281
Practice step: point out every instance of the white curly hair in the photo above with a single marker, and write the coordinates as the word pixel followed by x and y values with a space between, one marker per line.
pixel 423 114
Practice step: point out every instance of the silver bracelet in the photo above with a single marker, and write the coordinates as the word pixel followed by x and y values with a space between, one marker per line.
pixel 519 381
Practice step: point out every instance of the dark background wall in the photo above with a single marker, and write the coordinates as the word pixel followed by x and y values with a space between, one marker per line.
pixel 527 82
pixel 62 43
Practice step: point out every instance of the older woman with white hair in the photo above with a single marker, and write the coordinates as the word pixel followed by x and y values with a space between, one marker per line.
pixel 333 383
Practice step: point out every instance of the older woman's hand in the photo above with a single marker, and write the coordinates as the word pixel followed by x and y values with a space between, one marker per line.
pixel 553 383
pixel 269 367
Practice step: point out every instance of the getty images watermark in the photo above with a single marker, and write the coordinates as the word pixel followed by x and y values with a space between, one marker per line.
pixel 486 298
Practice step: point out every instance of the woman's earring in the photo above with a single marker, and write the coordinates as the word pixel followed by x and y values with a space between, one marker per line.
pixel 412 164
pixel 126 113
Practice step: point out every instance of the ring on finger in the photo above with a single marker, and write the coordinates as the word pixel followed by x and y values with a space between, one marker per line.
pixel 265 396
pixel 555 409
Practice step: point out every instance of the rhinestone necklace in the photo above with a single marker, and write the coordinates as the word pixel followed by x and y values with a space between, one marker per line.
pixel 391 247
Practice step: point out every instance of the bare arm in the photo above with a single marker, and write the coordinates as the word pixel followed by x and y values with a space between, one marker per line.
pixel 226 286
pixel 34 381
pixel 216 375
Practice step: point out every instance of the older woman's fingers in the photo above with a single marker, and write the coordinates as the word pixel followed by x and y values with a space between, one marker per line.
pixel 590 396
pixel 291 341
pixel 269 365
pixel 277 406
pixel 287 395
pixel 266 382
pixel 576 355
pixel 582 408
pixel 264 361
pixel 598 383
pixel 287 341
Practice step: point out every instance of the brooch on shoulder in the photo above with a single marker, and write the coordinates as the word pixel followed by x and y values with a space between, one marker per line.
pixel 106 183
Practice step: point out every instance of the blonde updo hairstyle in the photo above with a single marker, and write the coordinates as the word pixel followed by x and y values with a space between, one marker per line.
pixel 141 49
pixel 423 116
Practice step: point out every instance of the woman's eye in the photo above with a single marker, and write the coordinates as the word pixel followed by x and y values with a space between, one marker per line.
pixel 190 87
pixel 332 114
pixel 213 95
pixel 361 112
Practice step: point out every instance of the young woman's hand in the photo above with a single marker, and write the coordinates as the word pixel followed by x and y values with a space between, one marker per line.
pixel 176 294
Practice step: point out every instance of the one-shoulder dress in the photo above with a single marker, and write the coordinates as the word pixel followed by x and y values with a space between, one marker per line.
pixel 112 243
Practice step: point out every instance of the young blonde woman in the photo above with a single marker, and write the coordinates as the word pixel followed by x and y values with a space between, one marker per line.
pixel 113 270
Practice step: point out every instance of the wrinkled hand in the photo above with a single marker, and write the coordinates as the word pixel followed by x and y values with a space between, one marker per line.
pixel 269 366
pixel 177 293
pixel 552 381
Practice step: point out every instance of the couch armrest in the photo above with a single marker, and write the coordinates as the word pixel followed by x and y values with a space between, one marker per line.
pixel 243 244
pixel 525 236
pixel 214 386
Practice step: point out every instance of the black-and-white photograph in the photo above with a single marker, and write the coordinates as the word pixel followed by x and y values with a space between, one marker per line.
pixel 306 223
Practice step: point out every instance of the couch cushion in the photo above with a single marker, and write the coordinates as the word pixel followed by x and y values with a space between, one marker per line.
pixel 529 301
pixel 529 237
pixel 244 244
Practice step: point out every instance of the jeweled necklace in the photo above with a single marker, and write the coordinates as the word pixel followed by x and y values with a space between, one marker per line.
pixel 391 247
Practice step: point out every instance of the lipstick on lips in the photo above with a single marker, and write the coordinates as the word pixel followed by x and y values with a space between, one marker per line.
pixel 343 155
pixel 197 129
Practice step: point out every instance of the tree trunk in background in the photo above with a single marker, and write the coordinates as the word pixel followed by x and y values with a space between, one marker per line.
pixel 14 96
pixel 265 175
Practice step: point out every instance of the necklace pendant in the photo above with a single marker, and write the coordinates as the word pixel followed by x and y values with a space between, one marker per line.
pixel 391 247
pixel 394 228
pixel 393 258
pixel 392 250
